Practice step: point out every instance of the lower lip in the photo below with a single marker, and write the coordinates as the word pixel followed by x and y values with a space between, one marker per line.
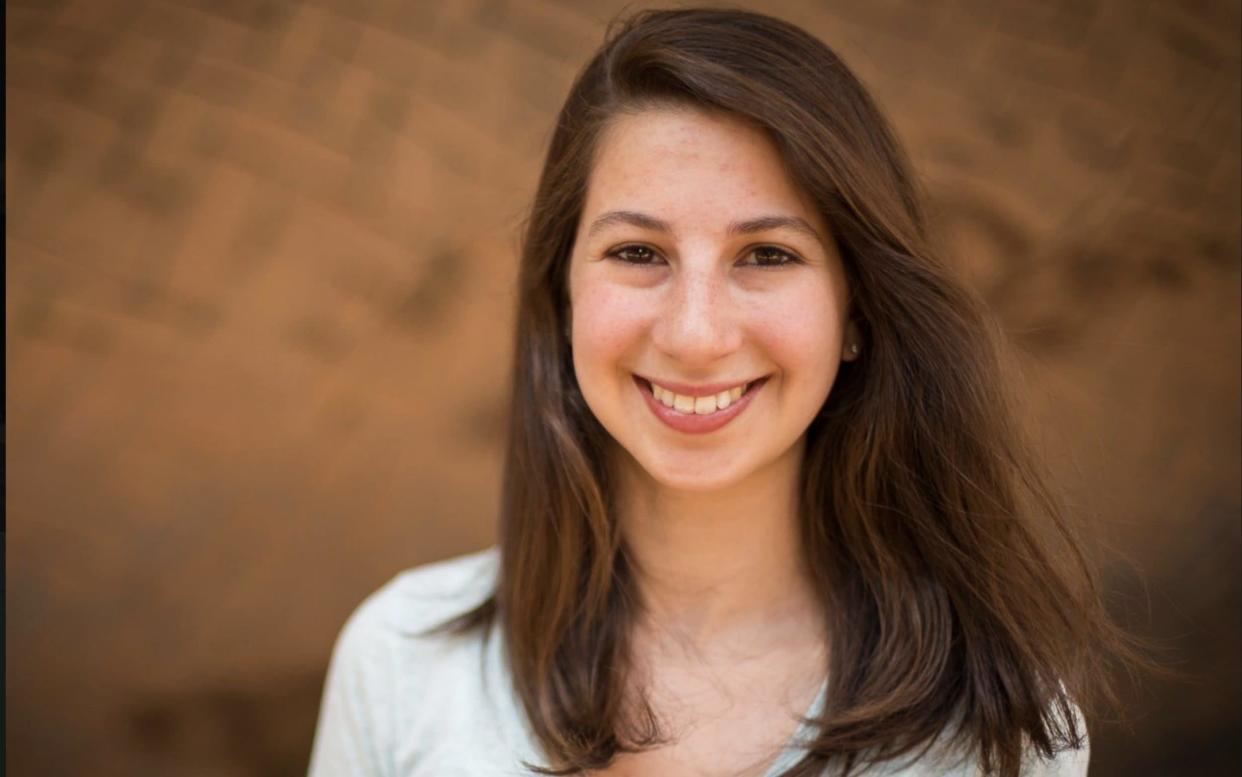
pixel 693 423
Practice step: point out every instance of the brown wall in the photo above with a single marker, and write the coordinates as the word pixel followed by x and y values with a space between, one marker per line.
pixel 258 299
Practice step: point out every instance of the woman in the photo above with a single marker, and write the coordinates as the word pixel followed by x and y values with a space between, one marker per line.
pixel 765 509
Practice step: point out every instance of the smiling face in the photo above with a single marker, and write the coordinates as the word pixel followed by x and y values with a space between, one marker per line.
pixel 699 267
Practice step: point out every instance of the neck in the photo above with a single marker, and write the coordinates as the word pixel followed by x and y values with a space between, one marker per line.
pixel 720 568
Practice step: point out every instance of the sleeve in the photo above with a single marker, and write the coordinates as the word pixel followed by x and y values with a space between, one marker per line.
pixel 354 732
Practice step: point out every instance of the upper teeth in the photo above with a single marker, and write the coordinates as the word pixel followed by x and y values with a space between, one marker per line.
pixel 698 405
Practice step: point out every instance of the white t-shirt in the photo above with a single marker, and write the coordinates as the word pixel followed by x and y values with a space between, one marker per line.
pixel 399 705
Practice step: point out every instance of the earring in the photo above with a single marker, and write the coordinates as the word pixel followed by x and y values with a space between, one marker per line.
pixel 853 349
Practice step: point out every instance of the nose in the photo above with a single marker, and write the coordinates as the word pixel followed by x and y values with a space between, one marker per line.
pixel 697 324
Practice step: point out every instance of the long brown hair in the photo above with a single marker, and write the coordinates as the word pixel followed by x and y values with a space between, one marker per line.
pixel 953 585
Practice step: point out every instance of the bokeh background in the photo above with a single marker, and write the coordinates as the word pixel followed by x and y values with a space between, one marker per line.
pixel 259 286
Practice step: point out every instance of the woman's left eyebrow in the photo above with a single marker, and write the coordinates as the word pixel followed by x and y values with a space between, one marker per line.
pixel 765 223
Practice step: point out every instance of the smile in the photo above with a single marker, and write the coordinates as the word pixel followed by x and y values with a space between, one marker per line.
pixel 697 410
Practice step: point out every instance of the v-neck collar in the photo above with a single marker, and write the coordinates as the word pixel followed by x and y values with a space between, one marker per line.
pixel 532 750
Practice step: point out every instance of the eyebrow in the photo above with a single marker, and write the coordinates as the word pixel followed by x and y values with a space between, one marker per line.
pixel 748 227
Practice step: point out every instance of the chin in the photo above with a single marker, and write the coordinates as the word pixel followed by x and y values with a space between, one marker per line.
pixel 691 473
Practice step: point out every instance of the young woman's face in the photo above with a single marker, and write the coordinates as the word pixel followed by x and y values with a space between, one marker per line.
pixel 700 269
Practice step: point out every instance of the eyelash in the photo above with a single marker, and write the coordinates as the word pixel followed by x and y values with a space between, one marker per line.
pixel 617 253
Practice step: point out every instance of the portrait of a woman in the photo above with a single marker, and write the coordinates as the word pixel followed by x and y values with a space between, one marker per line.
pixel 767 507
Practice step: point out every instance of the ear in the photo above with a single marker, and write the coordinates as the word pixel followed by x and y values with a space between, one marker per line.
pixel 851 344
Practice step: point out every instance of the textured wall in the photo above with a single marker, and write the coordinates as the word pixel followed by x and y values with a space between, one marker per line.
pixel 259 267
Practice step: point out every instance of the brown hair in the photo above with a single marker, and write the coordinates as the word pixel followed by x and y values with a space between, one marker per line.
pixel 953 585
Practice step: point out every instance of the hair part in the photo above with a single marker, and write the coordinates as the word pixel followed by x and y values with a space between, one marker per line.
pixel 956 592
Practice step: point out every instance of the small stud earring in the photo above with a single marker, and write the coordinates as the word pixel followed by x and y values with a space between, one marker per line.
pixel 854 349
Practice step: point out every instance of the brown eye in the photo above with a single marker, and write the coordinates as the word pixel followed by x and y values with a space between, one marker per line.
pixel 634 254
pixel 771 256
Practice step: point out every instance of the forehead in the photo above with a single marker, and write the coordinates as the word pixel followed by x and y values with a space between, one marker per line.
pixel 689 162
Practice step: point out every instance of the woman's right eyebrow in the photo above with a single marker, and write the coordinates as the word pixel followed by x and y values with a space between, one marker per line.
pixel 633 218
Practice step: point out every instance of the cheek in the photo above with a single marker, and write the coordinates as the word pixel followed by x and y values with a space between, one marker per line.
pixel 608 322
pixel 801 333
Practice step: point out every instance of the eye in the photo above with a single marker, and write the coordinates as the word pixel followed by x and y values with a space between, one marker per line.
pixel 633 254
pixel 771 256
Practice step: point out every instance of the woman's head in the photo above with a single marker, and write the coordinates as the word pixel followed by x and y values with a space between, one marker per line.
pixel 793 134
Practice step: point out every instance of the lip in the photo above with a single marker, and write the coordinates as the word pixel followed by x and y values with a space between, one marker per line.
pixel 686 390
pixel 693 423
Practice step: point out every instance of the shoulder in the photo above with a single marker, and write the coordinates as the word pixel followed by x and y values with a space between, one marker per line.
pixel 427 595
pixel 383 639
pixel 949 756
pixel 1069 762
pixel 382 659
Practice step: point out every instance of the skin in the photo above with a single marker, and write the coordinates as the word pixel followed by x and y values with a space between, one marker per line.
pixel 709 518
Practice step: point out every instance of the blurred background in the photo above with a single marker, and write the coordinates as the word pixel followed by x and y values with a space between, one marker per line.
pixel 259 270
